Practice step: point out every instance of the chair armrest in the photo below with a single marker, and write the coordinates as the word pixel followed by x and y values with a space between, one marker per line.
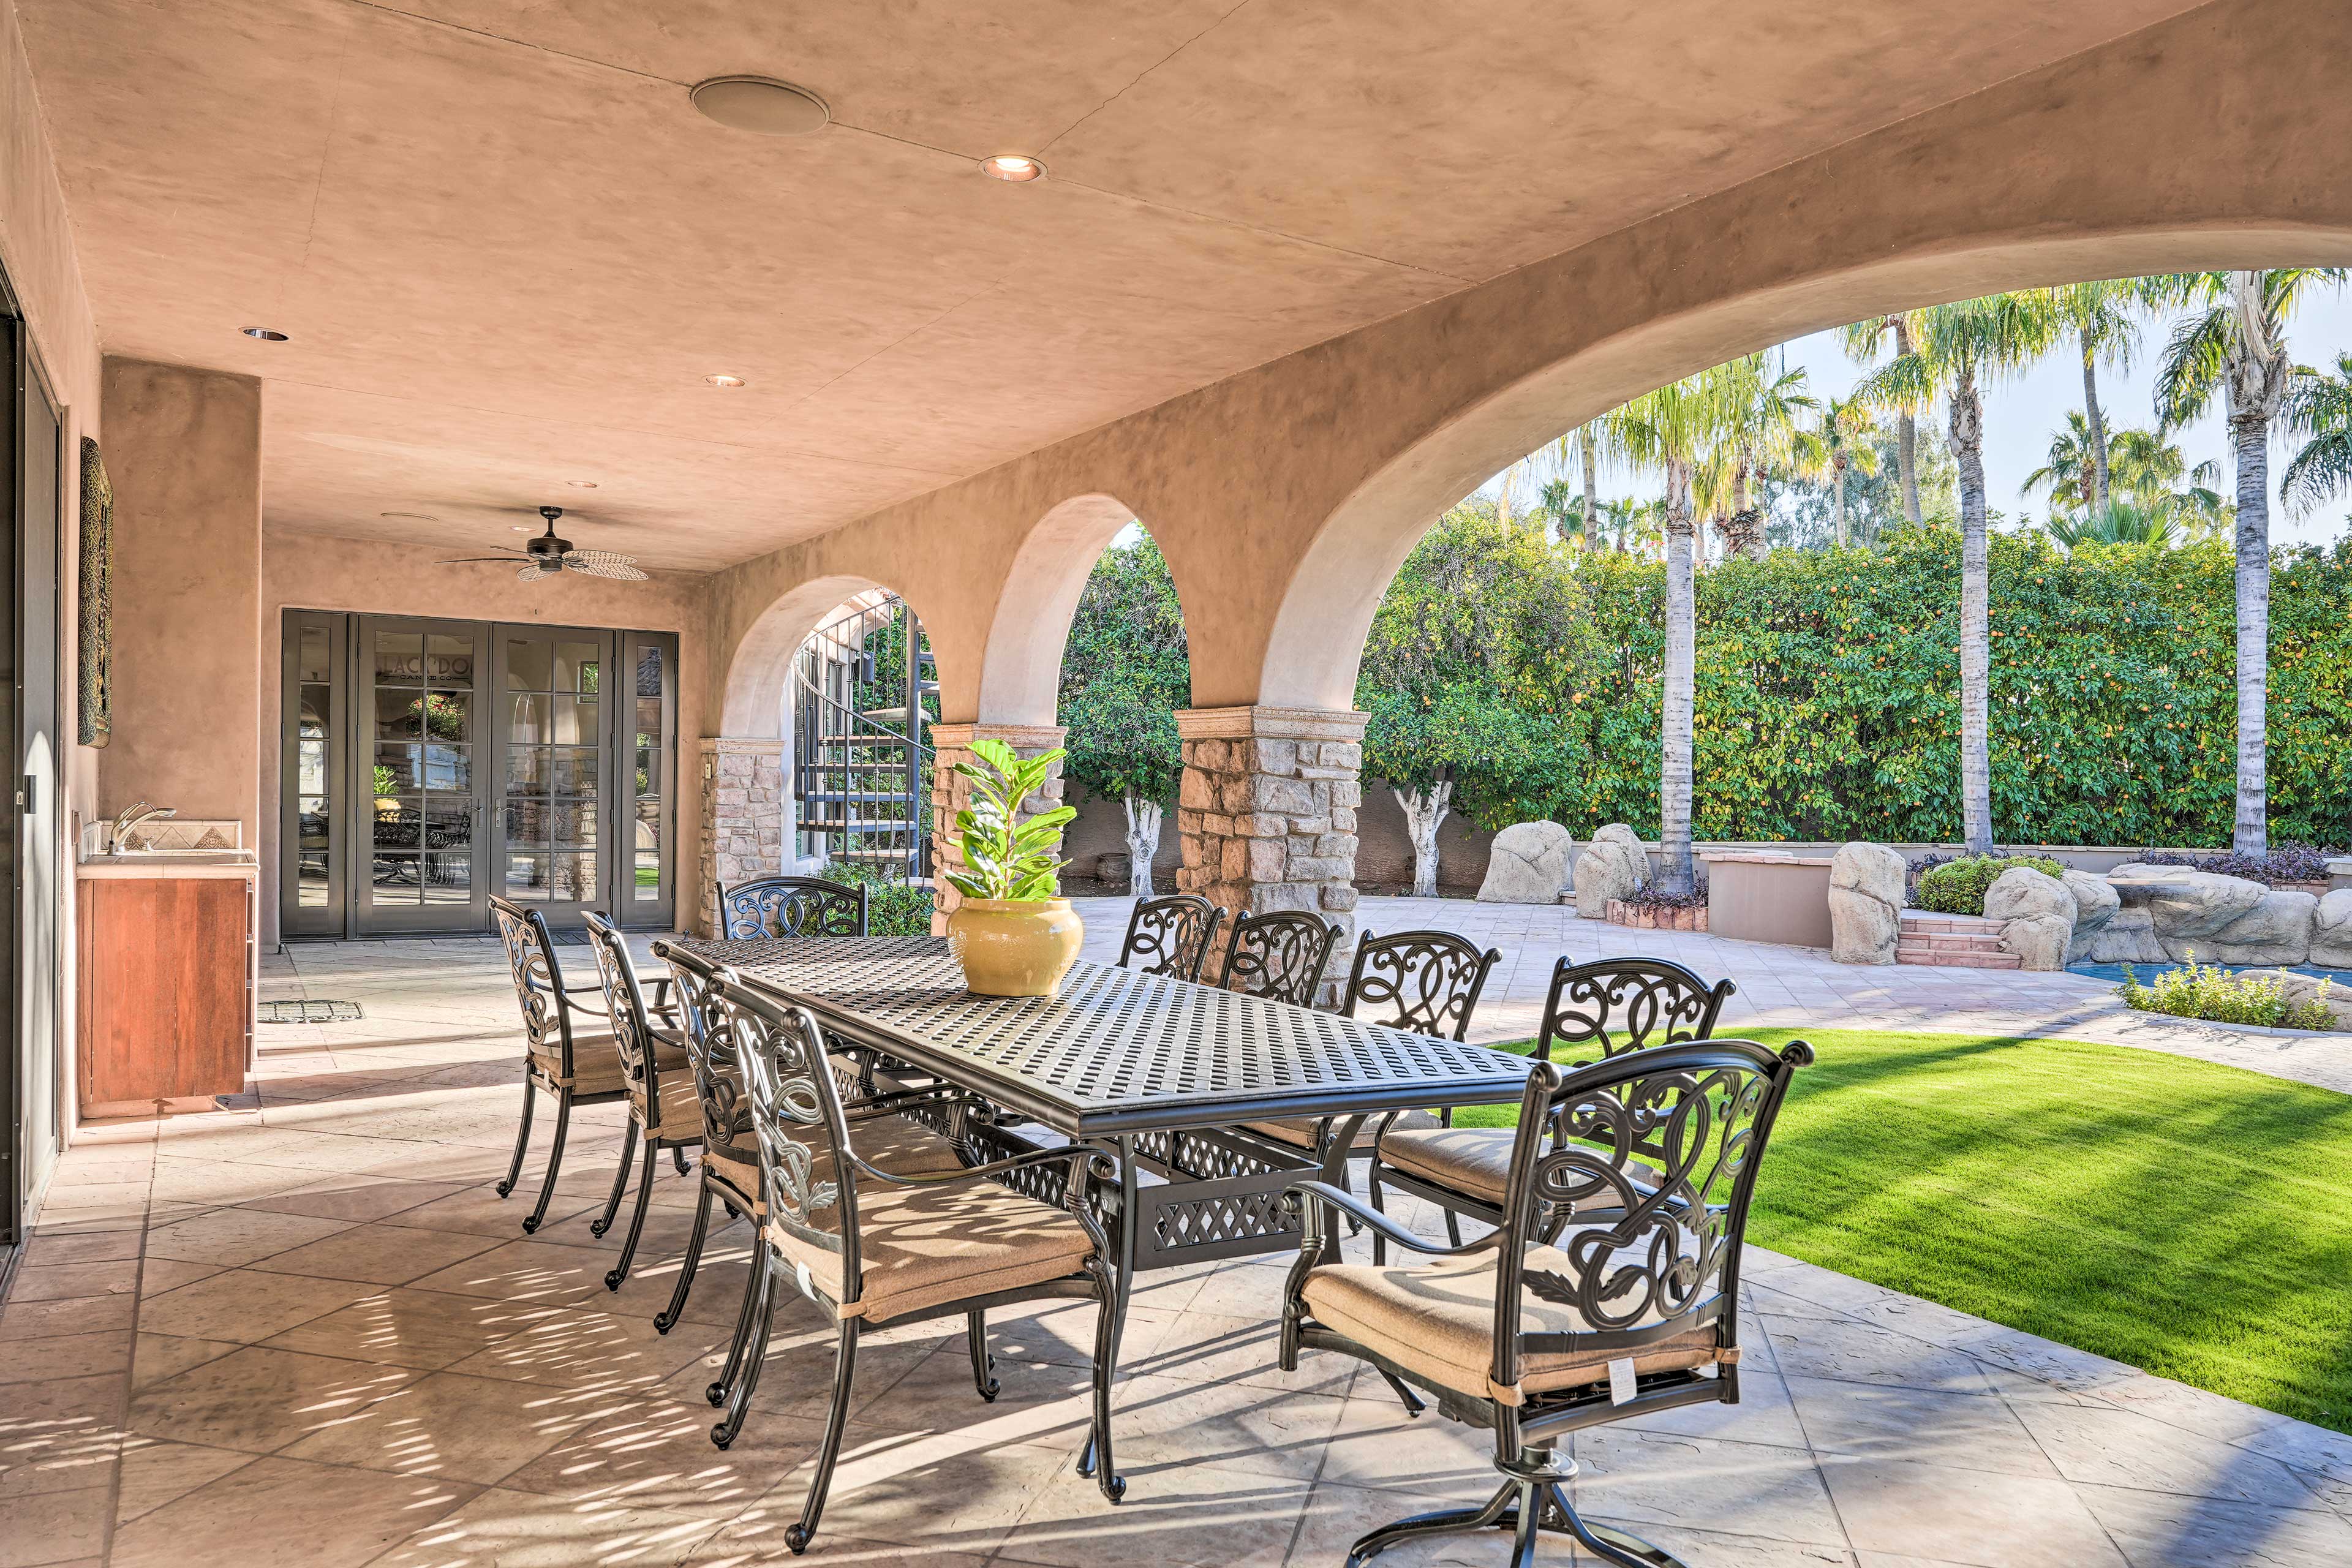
pixel 1100 1165
pixel 872 1107
pixel 661 1001
pixel 1331 1197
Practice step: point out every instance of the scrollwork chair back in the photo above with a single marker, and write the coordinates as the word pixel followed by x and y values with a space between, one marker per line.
pixel 538 982
pixel 624 1001
pixel 1424 981
pixel 792 906
pixel 1622 1005
pixel 796 1113
pixel 1279 955
pixel 711 1054
pixel 1171 935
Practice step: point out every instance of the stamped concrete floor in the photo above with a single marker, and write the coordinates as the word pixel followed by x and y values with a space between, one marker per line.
pixel 302 1331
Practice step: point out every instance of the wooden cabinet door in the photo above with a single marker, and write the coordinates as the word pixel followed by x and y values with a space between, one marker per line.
pixel 164 994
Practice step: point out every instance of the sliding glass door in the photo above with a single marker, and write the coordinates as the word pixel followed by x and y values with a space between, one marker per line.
pixel 429 764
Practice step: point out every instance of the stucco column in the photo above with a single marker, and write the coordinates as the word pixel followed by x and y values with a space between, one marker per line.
pixel 742 817
pixel 951 793
pixel 1267 816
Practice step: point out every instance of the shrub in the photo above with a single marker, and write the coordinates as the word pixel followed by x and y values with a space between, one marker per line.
pixel 1957 887
pixel 2216 995
pixel 2286 863
pixel 892 907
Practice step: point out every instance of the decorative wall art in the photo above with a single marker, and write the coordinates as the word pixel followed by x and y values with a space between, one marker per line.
pixel 97 663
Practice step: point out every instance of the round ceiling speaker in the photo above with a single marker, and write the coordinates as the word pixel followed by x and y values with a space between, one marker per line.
pixel 762 104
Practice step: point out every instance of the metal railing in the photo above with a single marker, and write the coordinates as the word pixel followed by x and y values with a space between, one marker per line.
pixel 861 773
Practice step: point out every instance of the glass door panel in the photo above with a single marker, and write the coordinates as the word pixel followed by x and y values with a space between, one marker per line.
pixel 553 729
pixel 420 815
pixel 310 791
pixel 649 742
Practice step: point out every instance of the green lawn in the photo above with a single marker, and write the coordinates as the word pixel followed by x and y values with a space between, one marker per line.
pixel 2190 1219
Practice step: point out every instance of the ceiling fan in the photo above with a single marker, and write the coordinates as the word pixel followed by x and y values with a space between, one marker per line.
pixel 548 554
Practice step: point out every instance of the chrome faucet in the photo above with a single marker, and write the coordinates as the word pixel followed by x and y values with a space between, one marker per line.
pixel 132 818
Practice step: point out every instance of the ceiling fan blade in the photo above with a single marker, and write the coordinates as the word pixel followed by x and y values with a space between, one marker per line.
pixel 604 563
pixel 531 573
pixel 478 560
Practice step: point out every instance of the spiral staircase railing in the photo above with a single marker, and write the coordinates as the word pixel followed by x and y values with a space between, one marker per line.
pixel 862 776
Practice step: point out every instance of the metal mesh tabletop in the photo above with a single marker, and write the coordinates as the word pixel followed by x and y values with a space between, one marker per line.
pixel 1118 1050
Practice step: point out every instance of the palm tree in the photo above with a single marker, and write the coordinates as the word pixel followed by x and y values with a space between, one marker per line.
pixel 2143 468
pixel 1558 505
pixel 2233 341
pixel 1675 432
pixel 1838 444
pixel 1957 349
pixel 2120 522
pixel 1862 341
pixel 2104 319
pixel 1759 404
pixel 2319 408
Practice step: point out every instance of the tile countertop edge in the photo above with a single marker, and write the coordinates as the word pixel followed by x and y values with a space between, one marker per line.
pixel 166 866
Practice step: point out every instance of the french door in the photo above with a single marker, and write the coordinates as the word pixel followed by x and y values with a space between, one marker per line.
pixel 432 764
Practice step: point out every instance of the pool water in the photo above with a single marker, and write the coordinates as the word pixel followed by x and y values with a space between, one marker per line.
pixel 2148 971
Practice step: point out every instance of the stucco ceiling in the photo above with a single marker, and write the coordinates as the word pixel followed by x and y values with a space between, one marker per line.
pixel 508 251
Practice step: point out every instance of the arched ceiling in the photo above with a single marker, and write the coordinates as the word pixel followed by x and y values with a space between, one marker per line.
pixel 507 250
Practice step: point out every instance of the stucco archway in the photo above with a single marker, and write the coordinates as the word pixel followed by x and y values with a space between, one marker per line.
pixel 1021 666
pixel 1326 609
pixel 752 704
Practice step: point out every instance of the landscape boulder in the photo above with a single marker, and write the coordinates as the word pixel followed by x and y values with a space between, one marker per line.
pixel 1613 866
pixel 1867 892
pixel 2036 914
pixel 2331 931
pixel 2299 988
pixel 2220 919
pixel 1528 865
pixel 2096 905
pixel 2129 937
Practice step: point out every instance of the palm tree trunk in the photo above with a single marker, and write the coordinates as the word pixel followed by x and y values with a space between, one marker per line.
pixel 1591 481
pixel 2098 428
pixel 1906 438
pixel 1837 489
pixel 1679 687
pixel 1975 639
pixel 2251 833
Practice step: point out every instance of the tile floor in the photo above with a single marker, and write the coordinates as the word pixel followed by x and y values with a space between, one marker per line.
pixel 302 1331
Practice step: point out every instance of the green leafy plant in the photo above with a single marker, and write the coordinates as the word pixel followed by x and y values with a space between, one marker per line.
pixel 2220 997
pixel 1958 886
pixel 1007 859
pixel 892 907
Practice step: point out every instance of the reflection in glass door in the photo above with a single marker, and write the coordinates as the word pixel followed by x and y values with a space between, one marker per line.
pixel 646 895
pixel 419 706
pixel 310 809
pixel 553 728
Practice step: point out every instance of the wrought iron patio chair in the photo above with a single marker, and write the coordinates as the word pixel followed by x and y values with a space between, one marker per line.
pixel 1426 981
pixel 1535 1331
pixel 1280 955
pixel 790 906
pixel 1592 1012
pixel 870 1247
pixel 1171 935
pixel 664 1110
pixel 569 1051
pixel 731 1154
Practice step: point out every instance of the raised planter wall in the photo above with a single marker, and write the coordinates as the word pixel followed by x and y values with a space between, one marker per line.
pixel 1753 896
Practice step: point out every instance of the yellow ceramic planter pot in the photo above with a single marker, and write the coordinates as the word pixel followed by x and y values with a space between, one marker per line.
pixel 1011 949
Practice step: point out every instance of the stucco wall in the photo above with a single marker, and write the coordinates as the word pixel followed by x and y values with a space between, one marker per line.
pixel 315 571
pixel 184 451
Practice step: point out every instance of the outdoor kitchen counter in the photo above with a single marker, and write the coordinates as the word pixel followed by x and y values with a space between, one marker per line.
pixel 169 969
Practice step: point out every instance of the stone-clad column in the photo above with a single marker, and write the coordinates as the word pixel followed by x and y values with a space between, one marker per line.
pixel 951 793
pixel 742 818
pixel 1267 816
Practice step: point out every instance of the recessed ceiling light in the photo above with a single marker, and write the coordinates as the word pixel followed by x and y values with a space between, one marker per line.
pixel 582 484
pixel 264 333
pixel 724 380
pixel 760 104
pixel 1017 167
pixel 413 516
pixel 521 528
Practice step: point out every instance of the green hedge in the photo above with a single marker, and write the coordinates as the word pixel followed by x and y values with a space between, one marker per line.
pixel 1828 693
pixel 1958 886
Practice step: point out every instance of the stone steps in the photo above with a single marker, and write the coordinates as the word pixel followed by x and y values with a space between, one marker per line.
pixel 1951 941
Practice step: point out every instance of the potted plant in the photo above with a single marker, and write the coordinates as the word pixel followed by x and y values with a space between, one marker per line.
pixel 1011 934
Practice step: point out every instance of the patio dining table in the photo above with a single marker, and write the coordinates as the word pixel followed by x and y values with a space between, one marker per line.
pixel 1157 1071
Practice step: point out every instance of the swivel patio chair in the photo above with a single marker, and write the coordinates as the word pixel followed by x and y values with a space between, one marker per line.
pixel 577 1062
pixel 730 1156
pixel 1534 1332
pixel 1424 981
pixel 790 906
pixel 1593 1011
pixel 870 1247
pixel 1171 935
pixel 663 1108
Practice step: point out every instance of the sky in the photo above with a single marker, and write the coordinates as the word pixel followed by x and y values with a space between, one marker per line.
pixel 2021 414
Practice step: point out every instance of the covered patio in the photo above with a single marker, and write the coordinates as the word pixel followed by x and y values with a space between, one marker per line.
pixel 304 1330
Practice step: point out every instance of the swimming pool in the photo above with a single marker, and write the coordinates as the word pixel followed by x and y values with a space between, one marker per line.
pixel 2147 972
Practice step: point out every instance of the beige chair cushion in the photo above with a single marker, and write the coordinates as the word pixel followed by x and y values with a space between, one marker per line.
pixel 1299 1133
pixel 892 1143
pixel 596 1062
pixel 1475 1160
pixel 927 1247
pixel 678 1118
pixel 1438 1322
